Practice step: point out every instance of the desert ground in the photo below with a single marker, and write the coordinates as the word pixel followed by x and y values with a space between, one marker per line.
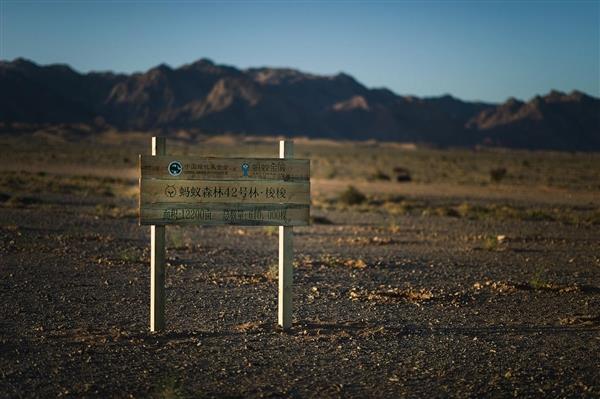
pixel 478 275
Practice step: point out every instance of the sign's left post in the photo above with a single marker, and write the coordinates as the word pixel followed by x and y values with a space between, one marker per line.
pixel 157 259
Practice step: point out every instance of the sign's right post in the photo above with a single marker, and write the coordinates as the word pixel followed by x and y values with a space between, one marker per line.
pixel 286 256
pixel 157 258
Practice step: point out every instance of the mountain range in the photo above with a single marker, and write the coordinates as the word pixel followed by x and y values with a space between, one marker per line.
pixel 216 99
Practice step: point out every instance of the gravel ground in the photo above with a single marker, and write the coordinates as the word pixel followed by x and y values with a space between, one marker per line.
pixel 417 306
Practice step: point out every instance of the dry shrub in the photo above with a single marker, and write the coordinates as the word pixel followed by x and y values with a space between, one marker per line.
pixel 379 175
pixel 249 326
pixel 352 196
pixel 320 220
pixel 355 263
pixel 272 272
pixel 376 240
pixel 497 174
pixel 328 260
pixel 392 294
pixel 402 174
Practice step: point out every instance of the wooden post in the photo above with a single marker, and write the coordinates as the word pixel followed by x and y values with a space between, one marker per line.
pixel 157 259
pixel 286 256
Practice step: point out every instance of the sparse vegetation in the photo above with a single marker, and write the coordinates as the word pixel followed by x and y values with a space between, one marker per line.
pixel 109 210
pixel 41 183
pixel 497 174
pixel 363 283
pixel 320 220
pixel 491 211
pixel 402 174
pixel 352 196
pixel 271 230
pixel 330 260
pixel 272 273
pixel 379 175
pixel 19 201
pixel 129 254
pixel 331 160
pixel 394 228
pixel 389 294
pixel 357 263
pixel 537 281
pixel 176 238
pixel 169 388
pixel 361 240
pixel 492 243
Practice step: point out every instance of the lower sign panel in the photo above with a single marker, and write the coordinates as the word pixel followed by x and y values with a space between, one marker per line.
pixel 223 214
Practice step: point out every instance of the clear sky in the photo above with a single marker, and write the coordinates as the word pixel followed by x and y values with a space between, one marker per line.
pixel 473 50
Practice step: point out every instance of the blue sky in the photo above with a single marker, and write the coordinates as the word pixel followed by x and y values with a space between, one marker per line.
pixel 473 50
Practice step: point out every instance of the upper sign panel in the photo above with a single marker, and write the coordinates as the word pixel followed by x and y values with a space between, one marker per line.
pixel 198 168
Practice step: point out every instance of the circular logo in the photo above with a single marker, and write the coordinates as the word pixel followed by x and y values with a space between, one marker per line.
pixel 175 168
pixel 170 191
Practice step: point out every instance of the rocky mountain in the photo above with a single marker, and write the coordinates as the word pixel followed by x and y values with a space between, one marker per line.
pixel 557 121
pixel 277 101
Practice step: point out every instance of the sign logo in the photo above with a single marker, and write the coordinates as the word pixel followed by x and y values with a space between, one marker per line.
pixel 245 169
pixel 175 168
pixel 170 191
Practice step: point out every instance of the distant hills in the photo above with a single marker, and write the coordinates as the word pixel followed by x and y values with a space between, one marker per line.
pixel 215 98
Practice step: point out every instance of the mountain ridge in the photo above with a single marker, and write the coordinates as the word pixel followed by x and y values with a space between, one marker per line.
pixel 284 101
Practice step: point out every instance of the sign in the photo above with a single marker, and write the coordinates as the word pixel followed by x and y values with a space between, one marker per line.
pixel 234 191
pixel 222 191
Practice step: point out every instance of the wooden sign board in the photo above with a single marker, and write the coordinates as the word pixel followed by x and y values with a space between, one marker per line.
pixel 215 191
pixel 221 191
